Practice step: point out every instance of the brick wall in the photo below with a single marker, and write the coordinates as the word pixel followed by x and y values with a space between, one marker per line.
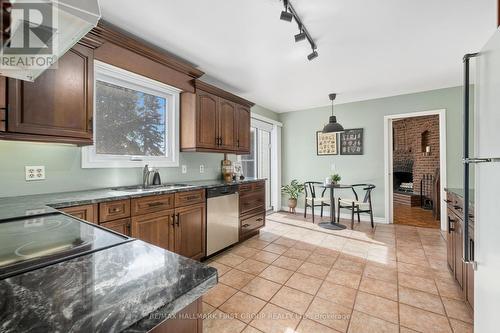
pixel 407 144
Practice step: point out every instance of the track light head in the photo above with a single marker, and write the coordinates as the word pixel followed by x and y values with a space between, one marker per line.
pixel 313 55
pixel 286 16
pixel 300 37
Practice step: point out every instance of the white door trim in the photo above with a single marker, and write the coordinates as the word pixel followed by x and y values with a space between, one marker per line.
pixel 388 159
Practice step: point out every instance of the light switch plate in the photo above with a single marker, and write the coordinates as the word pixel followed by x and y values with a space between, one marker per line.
pixel 202 168
pixel 184 169
pixel 33 173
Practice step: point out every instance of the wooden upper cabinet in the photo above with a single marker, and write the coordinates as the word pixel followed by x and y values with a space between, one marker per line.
pixel 213 120
pixel 190 231
pixel 207 122
pixel 58 106
pixel 226 120
pixel 154 228
pixel 243 128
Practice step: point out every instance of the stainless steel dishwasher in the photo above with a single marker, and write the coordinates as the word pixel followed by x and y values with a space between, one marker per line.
pixel 222 218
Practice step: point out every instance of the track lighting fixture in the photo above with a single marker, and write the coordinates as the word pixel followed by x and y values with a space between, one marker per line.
pixel 313 55
pixel 300 36
pixel 287 15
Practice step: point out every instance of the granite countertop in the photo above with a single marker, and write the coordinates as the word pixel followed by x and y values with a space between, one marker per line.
pixel 460 192
pixel 130 287
pixel 12 207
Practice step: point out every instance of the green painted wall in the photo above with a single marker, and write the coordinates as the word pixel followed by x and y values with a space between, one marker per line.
pixel 64 172
pixel 265 112
pixel 299 159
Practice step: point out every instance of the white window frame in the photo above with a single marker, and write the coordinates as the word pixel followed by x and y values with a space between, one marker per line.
pixel 123 78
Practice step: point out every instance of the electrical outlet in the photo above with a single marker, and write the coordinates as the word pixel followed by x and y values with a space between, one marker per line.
pixel 202 168
pixel 333 167
pixel 184 169
pixel 33 173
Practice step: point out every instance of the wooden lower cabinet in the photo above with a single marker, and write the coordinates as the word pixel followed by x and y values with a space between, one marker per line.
pixel 459 246
pixel 122 226
pixel 188 320
pixel 463 273
pixel 252 209
pixel 85 212
pixel 189 231
pixel 450 241
pixel 154 228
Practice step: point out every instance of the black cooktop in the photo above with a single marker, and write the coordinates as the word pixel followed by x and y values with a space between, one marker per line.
pixel 30 243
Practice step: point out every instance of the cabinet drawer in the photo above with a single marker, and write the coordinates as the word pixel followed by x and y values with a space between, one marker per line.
pixel 253 223
pixel 245 189
pixel 2 120
pixel 121 226
pixel 251 202
pixel 260 186
pixel 114 210
pixel 151 204
pixel 189 198
pixel 85 212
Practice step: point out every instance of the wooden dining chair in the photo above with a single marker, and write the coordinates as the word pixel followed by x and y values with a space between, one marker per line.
pixel 314 199
pixel 357 206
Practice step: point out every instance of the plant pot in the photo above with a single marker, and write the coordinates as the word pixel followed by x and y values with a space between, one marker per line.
pixel 292 203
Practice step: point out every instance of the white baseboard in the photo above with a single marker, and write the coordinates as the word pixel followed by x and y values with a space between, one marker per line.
pixel 347 216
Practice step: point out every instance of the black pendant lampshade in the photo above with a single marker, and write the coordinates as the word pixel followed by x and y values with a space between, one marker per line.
pixel 333 126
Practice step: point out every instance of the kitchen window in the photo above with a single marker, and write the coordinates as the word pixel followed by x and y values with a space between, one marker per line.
pixel 136 121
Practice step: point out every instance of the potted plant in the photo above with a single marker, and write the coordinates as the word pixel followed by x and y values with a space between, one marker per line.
pixel 293 190
pixel 336 179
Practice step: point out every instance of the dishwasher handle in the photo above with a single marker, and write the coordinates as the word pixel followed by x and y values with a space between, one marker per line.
pixel 222 190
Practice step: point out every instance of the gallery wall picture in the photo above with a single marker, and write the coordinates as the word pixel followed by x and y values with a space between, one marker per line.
pixel 326 143
pixel 351 142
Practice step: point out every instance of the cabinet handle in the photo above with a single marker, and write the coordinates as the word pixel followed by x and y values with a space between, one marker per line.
pixel 457 207
pixel 91 124
pixel 450 220
pixel 259 219
pixel 246 225
pixel 192 197
pixel 238 142
pixel 173 220
pixel 447 201
pixel 155 204
pixel 178 219
pixel 114 210
pixel 471 249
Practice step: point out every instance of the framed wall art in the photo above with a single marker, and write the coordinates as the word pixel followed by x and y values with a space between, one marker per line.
pixel 351 142
pixel 326 143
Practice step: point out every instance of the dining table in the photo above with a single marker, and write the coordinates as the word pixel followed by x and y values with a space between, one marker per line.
pixel 332 225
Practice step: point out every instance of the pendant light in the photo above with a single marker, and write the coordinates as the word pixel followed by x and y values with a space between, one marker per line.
pixel 333 126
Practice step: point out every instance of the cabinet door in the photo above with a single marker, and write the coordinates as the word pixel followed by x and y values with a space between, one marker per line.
pixel 243 129
pixel 153 228
pixel 227 120
pixel 450 241
pixel 86 212
pixel 190 231
pixel 206 121
pixel 121 226
pixel 60 101
pixel 469 286
pixel 459 245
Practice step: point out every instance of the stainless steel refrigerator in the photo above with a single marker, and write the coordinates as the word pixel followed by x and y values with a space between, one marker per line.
pixel 482 183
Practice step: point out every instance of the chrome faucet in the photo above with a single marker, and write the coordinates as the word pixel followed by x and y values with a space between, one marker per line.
pixel 146 175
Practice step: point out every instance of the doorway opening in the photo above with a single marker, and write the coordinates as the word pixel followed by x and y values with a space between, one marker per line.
pixel 416 165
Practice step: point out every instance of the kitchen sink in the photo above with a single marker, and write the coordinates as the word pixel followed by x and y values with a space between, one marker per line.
pixel 151 188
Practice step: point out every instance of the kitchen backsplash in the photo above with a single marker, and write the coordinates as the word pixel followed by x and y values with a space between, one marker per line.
pixel 64 173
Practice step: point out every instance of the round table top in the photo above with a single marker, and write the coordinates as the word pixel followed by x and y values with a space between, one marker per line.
pixel 336 186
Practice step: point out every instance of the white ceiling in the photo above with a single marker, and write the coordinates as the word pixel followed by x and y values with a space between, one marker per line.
pixel 367 48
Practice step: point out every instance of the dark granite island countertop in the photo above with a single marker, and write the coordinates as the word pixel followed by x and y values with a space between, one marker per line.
pixel 13 207
pixel 131 287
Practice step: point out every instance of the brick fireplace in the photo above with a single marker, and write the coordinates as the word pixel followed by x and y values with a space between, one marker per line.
pixel 415 153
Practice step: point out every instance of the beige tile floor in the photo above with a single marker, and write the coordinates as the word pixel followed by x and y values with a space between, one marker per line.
pixel 296 277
